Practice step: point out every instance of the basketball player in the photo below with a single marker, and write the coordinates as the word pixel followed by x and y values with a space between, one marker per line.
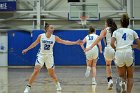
pixel 91 55
pixel 110 27
pixel 45 55
pixel 123 39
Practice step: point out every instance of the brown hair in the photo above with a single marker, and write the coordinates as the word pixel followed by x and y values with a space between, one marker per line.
pixel 91 30
pixel 46 25
pixel 124 20
pixel 111 23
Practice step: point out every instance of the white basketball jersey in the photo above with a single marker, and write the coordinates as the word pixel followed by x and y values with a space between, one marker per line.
pixel 124 38
pixel 46 44
pixel 108 37
pixel 91 39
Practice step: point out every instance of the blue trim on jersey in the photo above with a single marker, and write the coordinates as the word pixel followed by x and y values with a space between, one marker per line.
pixel 37 61
pixel 38 51
pixel 52 66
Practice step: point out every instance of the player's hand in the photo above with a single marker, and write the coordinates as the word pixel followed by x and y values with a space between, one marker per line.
pixel 87 49
pixel 82 47
pixel 101 52
pixel 24 51
pixel 79 42
pixel 134 46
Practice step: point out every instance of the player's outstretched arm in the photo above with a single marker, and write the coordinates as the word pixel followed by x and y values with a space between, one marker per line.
pixel 37 41
pixel 66 42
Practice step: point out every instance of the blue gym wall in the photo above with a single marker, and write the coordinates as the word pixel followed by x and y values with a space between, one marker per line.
pixel 64 55
pixel 17 41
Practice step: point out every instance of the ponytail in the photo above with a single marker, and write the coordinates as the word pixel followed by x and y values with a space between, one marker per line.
pixel 46 25
pixel 111 23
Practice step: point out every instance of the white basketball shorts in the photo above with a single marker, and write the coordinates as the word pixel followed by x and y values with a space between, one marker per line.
pixel 109 53
pixel 124 57
pixel 92 54
pixel 48 60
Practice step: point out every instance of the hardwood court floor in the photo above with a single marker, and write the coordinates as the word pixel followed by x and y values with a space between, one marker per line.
pixel 13 80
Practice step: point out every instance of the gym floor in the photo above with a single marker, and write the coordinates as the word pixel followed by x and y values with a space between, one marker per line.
pixel 14 80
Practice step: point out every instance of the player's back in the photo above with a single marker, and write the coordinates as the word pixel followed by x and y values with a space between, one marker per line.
pixel 108 36
pixel 124 38
pixel 91 39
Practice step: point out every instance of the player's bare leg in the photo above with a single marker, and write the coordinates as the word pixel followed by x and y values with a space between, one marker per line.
pixel 32 78
pixel 52 74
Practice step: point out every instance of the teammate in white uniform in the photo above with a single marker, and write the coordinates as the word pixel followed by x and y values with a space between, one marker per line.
pixel 110 27
pixel 123 38
pixel 91 55
pixel 45 55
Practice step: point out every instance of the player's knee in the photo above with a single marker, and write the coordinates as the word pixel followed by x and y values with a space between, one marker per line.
pixel 130 76
pixel 36 70
pixel 123 77
pixel 93 66
pixel 108 64
pixel 51 75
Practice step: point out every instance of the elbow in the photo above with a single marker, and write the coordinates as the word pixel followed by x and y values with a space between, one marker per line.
pixel 112 45
pixel 100 38
pixel 138 45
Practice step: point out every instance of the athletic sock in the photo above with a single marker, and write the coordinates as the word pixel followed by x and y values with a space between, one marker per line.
pixel 88 68
pixel 93 79
pixel 28 85
pixel 108 78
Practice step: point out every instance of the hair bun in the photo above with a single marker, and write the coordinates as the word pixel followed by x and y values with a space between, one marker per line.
pixel 124 20
pixel 125 16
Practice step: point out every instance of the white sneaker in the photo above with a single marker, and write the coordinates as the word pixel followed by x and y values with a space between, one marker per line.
pixel 118 85
pixel 110 84
pixel 27 89
pixel 123 87
pixel 58 87
pixel 87 73
pixel 94 83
